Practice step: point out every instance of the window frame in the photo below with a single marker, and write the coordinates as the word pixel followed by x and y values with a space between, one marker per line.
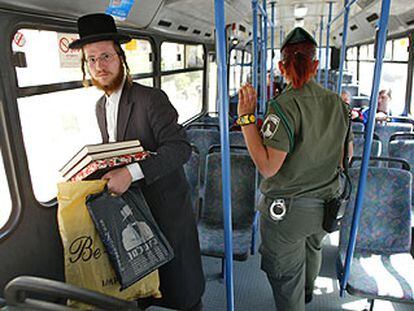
pixel 40 89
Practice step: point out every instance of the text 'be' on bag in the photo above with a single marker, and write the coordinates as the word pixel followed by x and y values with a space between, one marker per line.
pixel 86 262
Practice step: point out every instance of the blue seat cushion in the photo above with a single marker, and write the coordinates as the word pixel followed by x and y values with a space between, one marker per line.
pixel 212 241
pixel 388 277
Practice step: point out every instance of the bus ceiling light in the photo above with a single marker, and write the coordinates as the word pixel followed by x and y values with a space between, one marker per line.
pixel 300 10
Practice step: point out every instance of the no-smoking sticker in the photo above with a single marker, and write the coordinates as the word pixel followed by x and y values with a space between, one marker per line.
pixel 64 45
pixel 69 58
pixel 19 39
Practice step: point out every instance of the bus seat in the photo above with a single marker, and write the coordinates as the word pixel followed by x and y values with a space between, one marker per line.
pixel 192 172
pixel 352 89
pixel 359 101
pixel 385 130
pixel 375 149
pixel 403 148
pixel 201 125
pixel 382 267
pixel 357 127
pixel 237 139
pixel 203 139
pixel 211 226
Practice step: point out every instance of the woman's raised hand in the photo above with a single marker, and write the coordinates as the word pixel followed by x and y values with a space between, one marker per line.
pixel 247 100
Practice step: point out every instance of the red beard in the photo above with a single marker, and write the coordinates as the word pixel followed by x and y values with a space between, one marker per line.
pixel 114 85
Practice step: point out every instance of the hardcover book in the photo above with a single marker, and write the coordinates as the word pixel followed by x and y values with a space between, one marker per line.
pixel 97 168
pixel 98 148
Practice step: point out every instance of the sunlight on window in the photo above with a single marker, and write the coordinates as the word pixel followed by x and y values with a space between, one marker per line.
pixel 55 126
pixel 5 200
pixel 172 56
pixel 394 77
pixel 185 91
pixel 212 86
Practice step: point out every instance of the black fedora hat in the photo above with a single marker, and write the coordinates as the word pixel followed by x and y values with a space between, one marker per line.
pixel 97 27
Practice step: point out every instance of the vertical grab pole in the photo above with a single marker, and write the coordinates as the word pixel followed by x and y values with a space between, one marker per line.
pixel 255 46
pixel 260 65
pixel 272 45
pixel 281 36
pixel 343 47
pixel 225 150
pixel 328 33
pixel 264 65
pixel 320 50
pixel 381 39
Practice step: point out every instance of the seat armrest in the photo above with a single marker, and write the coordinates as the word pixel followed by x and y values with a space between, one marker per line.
pixel 17 290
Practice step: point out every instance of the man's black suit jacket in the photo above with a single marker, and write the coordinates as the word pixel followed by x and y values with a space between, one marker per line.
pixel 146 114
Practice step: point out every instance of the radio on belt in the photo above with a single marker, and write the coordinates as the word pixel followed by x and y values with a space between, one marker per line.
pixel 277 209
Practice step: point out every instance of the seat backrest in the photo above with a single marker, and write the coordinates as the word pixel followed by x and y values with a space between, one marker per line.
pixel 236 139
pixel 385 130
pixel 193 173
pixel 357 127
pixel 201 125
pixel 242 191
pixel 203 139
pixel 375 149
pixel 385 223
pixel 403 149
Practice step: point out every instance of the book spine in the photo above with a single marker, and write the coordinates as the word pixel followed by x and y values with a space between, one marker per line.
pixel 110 162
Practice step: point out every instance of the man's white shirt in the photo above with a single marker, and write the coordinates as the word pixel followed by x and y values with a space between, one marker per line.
pixel 112 107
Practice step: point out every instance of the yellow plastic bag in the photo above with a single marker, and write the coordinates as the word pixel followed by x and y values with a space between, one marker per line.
pixel 86 262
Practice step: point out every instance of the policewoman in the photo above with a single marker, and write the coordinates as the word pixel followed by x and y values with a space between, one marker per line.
pixel 298 152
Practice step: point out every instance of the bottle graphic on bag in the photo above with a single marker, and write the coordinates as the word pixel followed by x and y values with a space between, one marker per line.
pixel 136 232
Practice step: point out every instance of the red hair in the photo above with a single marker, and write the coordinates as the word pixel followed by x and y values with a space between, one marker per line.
pixel 298 61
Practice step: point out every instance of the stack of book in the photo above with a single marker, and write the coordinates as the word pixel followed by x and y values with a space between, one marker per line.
pixel 92 161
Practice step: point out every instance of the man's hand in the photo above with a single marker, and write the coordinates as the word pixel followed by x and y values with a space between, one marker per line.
pixel 119 180
pixel 247 100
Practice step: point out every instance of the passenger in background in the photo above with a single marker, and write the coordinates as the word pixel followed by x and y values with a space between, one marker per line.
pixel 383 108
pixel 298 151
pixel 346 97
pixel 128 111
pixel 355 113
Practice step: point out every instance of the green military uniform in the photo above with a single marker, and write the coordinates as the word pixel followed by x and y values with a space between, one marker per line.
pixel 310 124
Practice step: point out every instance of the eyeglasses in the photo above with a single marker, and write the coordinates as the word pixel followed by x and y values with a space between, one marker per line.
pixel 105 58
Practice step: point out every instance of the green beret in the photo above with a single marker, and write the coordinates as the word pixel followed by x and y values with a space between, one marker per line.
pixel 298 35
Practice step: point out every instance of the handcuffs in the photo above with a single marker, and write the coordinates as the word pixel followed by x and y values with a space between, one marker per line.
pixel 277 210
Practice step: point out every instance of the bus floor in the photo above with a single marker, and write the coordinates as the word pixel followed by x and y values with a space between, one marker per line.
pixel 252 290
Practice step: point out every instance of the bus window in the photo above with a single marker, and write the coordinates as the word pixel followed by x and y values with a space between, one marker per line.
pixel 48 58
pixel 401 50
pixel 394 77
pixel 247 70
pixel 55 126
pixel 184 89
pixel 138 53
pixel 212 83
pixel 351 64
pixel 172 56
pixel 5 200
pixel 235 71
pixel 194 56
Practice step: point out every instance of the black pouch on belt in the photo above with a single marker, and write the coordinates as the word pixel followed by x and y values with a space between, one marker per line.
pixel 333 212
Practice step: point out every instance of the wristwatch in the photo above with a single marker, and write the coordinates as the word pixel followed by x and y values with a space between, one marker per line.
pixel 246 119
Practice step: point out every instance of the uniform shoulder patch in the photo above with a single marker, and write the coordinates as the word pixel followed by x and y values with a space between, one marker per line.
pixel 270 126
